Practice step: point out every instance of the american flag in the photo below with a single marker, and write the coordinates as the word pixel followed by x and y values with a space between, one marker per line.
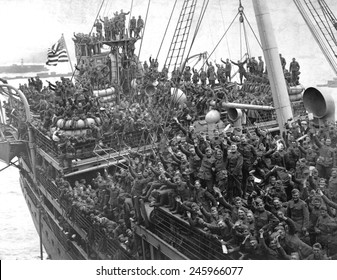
pixel 57 53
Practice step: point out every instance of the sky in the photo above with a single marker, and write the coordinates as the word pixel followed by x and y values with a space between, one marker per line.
pixel 31 26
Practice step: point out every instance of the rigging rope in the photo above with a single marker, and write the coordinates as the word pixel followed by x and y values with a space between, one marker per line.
pixel 201 17
pixel 257 39
pixel 141 41
pixel 224 27
pixel 130 15
pixel 246 40
pixel 221 39
pixel 106 6
pixel 240 41
pixel 166 29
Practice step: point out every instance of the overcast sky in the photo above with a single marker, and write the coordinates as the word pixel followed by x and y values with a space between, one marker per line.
pixel 31 26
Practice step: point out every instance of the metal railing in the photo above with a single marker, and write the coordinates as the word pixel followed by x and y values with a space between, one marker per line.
pixel 192 242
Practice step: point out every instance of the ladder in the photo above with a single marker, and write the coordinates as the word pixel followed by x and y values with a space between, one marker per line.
pixel 323 25
pixel 178 44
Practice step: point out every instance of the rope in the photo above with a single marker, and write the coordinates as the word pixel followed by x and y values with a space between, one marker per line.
pixel 166 29
pixel 106 6
pixel 257 39
pixel 221 39
pixel 130 15
pixel 202 14
pixel 141 42
pixel 246 39
pixel 223 22
pixel 240 41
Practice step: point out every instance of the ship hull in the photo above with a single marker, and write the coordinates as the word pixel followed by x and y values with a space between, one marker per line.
pixel 51 241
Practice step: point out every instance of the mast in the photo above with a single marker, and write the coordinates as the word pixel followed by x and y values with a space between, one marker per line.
pixel 271 55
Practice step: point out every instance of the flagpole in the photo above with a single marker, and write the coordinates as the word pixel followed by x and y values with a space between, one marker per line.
pixel 65 45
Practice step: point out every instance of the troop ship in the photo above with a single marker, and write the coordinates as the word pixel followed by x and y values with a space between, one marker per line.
pixel 71 229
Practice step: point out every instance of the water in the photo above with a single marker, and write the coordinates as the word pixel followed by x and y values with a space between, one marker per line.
pixel 18 237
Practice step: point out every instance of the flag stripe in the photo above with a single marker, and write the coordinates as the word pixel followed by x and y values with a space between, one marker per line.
pixel 57 53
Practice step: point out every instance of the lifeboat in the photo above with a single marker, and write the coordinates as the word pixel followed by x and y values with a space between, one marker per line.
pixel 73 125
pixel 295 93
pixel 104 92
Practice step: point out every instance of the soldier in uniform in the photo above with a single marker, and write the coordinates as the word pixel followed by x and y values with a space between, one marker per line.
pixel 260 66
pixel 332 185
pixel 99 28
pixel 140 26
pixel 187 74
pixel 249 156
pixel 202 197
pixel 242 70
pixel 234 167
pixel 326 231
pixel 294 69
pixel 298 211
pixel 263 219
pixel 203 77
pixel 133 26
pixel 195 77
pixel 220 170
pixel 207 163
pixel 283 62
pixel 228 69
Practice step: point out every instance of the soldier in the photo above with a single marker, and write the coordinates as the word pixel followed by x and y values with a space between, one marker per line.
pixel 298 211
pixel 260 66
pixel 242 70
pixel 228 69
pixel 294 69
pixel 263 219
pixel 121 22
pixel 211 77
pixel 133 26
pixel 203 77
pixel 140 26
pixel 221 176
pixel 326 231
pixel 252 65
pixel 187 74
pixel 99 28
pixel 195 77
pixel 234 167
pixel 202 197
pixel 249 156
pixel 205 171
pixel 106 27
pixel 332 185
pixel 283 62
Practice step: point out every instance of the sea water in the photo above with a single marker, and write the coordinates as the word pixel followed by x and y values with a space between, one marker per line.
pixel 18 237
